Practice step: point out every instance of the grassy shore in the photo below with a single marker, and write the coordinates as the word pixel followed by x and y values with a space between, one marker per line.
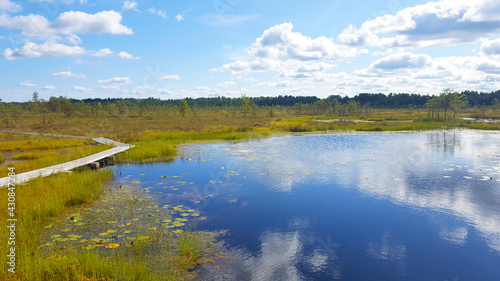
pixel 30 152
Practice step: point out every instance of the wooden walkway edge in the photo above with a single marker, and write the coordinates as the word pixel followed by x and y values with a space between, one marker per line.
pixel 64 167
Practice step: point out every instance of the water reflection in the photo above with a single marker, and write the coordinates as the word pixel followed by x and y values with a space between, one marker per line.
pixel 452 172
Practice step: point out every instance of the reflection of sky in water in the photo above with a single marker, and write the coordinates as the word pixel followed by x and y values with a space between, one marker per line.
pixel 456 172
pixel 398 206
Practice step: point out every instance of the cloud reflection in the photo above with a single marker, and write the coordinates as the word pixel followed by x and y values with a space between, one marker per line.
pixel 452 172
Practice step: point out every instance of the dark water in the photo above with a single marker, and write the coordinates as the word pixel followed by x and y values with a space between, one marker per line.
pixel 413 206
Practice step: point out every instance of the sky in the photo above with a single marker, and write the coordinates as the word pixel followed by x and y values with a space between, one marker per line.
pixel 209 48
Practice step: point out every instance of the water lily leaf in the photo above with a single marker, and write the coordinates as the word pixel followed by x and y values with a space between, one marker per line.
pixel 65 230
pixel 111 231
pixel 103 234
pixel 180 219
pixel 112 245
pixel 184 214
pixel 121 225
pixel 84 240
pixel 135 220
pixel 127 232
pixel 167 221
pixel 197 202
pixel 55 236
pixel 178 231
pixel 129 223
pixel 48 244
pixel 173 213
pixel 195 215
pixel 76 237
pixel 90 247
pixel 152 228
pixel 48 226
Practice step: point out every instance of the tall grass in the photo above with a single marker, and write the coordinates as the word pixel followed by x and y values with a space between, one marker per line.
pixel 37 202
pixel 37 160
pixel 2 158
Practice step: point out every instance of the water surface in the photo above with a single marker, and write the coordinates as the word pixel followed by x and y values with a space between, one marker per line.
pixel 388 206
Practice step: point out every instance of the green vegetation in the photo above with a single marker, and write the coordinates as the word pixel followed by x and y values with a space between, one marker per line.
pixel 44 151
pixel 55 210
pixel 2 158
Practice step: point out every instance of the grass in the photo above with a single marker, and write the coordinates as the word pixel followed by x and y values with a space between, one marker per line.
pixel 35 155
pixel 2 158
pixel 49 201
pixel 41 159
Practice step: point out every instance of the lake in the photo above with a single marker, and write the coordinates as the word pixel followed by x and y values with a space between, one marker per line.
pixel 363 206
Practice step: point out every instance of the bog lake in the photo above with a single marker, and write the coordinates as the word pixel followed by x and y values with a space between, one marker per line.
pixel 361 206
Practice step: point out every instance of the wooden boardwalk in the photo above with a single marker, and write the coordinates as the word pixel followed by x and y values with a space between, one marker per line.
pixel 65 167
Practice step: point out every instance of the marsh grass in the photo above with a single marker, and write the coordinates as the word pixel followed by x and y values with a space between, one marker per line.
pixel 2 158
pixel 53 205
pixel 41 159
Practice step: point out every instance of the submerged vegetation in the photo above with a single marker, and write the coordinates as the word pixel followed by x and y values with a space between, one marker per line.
pixel 115 238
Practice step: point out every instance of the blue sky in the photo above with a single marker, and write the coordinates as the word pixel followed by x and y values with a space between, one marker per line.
pixel 176 49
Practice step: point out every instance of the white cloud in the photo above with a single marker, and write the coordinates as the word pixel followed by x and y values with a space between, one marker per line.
pixel 401 61
pixel 101 53
pixel 115 80
pixel 73 39
pixel 80 22
pixel 69 74
pixel 67 23
pixel 111 87
pixel 273 84
pixel 225 19
pixel 49 88
pixel 161 13
pixel 9 7
pixel 27 84
pixel 491 48
pixel 125 55
pixel 438 23
pixel 291 53
pixel 164 91
pixel 82 89
pixel 226 84
pixel 227 47
pixel 171 77
pixel 130 5
pixel 50 49
pixel 179 17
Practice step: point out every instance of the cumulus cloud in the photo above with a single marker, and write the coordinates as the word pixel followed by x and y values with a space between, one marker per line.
pixel 82 89
pixel 161 13
pixel 179 17
pixel 170 77
pixel 27 84
pixel 101 53
pixel 50 49
pixel 69 74
pixel 491 47
pixel 280 49
pixel 67 23
pixel 438 23
pixel 125 55
pixel 49 87
pixel 402 61
pixel 9 7
pixel 130 5
pixel 226 84
pixel 115 80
